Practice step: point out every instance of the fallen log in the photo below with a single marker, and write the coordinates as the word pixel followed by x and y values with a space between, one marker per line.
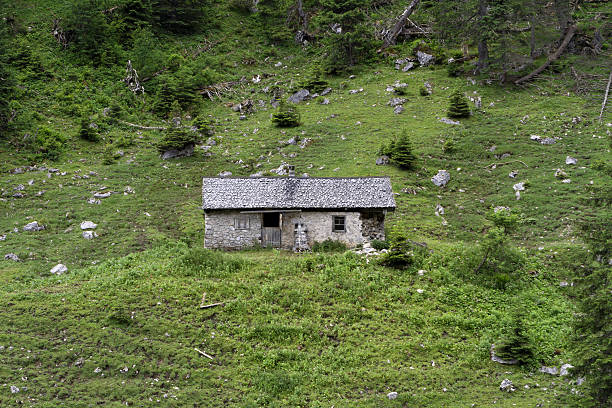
pixel 568 36
pixel 495 165
pixel 399 26
pixel 603 105
pixel 203 353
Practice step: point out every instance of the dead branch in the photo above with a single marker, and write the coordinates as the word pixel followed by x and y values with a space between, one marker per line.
pixel 603 104
pixel 58 33
pixel 212 305
pixel 568 36
pixel 203 353
pixel 494 165
pixel 131 79
pixel 217 90
pixel 399 25
pixel 142 127
pixel 153 75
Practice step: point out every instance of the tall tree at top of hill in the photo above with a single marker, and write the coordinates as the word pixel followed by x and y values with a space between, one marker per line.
pixel 7 84
pixel 346 36
pixel 593 324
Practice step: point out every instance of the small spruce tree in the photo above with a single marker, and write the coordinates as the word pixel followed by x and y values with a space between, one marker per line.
pixel 516 345
pixel 458 107
pixel 286 116
pixel 87 132
pixel 177 138
pixel 401 153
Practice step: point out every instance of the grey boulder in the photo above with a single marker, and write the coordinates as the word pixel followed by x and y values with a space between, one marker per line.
pixel 441 179
pixel 33 226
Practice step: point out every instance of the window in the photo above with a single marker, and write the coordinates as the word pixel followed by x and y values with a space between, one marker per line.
pixel 241 223
pixel 339 223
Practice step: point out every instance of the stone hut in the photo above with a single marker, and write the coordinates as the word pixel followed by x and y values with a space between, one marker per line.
pixel 294 212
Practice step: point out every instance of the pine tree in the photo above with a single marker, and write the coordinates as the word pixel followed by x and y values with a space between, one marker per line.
pixel 458 107
pixel 286 116
pixel 516 345
pixel 177 138
pixel 401 153
pixel 7 83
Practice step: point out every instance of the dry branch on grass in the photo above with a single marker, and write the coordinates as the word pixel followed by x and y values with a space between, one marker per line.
pixel 495 165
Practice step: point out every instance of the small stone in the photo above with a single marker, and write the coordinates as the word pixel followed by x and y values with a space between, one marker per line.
pixel 98 370
pixel 392 395
pixel 549 370
pixel 450 121
pixel 408 67
pixel 102 195
pixel 519 186
pixel 535 137
pixel 441 179
pixel 382 161
pixel 128 190
pixel 566 181
pixel 11 257
pixel 548 141
pixel 424 58
pixel 325 101
pixel 242 117
pixel 85 225
pixel 33 226
pixel 14 389
pixel 439 210
pixel 513 174
pixel 570 160
pixel 396 101
pixel 355 91
pixel 278 64
pixel 507 386
pixel 59 269
pixel 421 272
pixel 420 290
pixel 225 174
pixel 89 234
pixel 565 369
pixel 326 91
pixel 563 284
pixel 299 96
pixel 398 109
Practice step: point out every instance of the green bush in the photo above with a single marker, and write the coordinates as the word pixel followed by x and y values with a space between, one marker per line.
pixel 243 6
pixel 378 245
pixel 458 106
pixel 48 144
pixel 204 124
pixel 403 252
pixel 453 70
pixel 315 81
pixel 516 344
pixel 449 145
pixel 286 116
pixel 329 245
pixel 177 138
pixel 86 132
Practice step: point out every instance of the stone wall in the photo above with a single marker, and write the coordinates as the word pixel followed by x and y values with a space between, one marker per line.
pixel 373 226
pixel 222 233
pixel 319 227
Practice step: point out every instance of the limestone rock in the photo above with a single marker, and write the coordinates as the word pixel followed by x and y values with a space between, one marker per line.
pixel 325 101
pixel 299 96
pixel 398 109
pixel 513 174
pixel 11 257
pixel 507 386
pixel 424 58
pixel 326 91
pixel 14 389
pixel 184 152
pixel 392 395
pixel 225 174
pixel 450 121
pixel 519 186
pixel 549 370
pixel 59 269
pixel 441 179
pixel 570 160
pixel 408 67
pixel 382 161
pixel 565 369
pixel 560 173
pixel 89 234
pixel 548 141
pixel 85 225
pixel 396 101
pixel 355 91
pixel 102 195
pixel 33 226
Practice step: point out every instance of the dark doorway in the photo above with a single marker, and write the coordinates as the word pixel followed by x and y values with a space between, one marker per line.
pixel 271 220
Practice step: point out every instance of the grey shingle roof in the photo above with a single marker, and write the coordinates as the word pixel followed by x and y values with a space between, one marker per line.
pixel 296 193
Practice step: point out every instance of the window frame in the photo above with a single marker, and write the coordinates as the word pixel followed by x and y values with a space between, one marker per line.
pixel 242 220
pixel 335 224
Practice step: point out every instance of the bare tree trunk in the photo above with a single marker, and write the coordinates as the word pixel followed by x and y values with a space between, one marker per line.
pixel 562 10
pixel 603 105
pixel 483 47
pixel 557 54
pixel 532 40
pixel 302 15
pixel 399 26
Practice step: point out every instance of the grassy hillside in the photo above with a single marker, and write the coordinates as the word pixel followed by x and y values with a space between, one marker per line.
pixel 309 330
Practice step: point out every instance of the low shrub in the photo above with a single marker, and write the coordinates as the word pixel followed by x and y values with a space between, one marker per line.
pixel 378 244
pixel 329 245
pixel 88 132
pixel 48 144
pixel 458 106
pixel 403 252
pixel 314 82
pixel 177 138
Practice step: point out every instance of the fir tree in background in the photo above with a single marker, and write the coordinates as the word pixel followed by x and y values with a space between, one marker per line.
pixel 592 338
pixel 7 84
pixel 286 116
pixel 401 153
pixel 516 345
pixel 458 107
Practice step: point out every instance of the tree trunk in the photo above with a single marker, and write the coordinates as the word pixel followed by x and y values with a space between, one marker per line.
pixel 603 104
pixel 532 40
pixel 557 54
pixel 399 26
pixel 562 10
pixel 483 47
pixel 302 15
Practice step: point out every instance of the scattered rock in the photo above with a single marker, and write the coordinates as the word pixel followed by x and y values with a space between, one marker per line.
pixel 507 386
pixel 439 210
pixel 98 370
pixel 424 58
pixel 85 225
pixel 19 187
pixel 560 173
pixel 519 186
pixel 398 109
pixel 420 290
pixel 3 237
pixel 535 137
pixel 565 369
pixel 225 174
pixel 278 64
pixel 563 284
pixel 242 117
pixel 299 96
pixel 513 174
pixel 548 141
pixel 450 121
pixel 33 226
pixel 11 257
pixel 59 269
pixel 441 178
pixel 570 160
pixel 258 174
pixel 566 181
pixel 549 370
pixel 325 101
pixel 128 190
pixel 396 101
pixel 14 389
pixel 408 67
pixel 184 152
pixel 382 161
pixel 93 201
pixel 89 234
pixel 355 91
pixel 102 195
pixel 392 395
pixel 326 91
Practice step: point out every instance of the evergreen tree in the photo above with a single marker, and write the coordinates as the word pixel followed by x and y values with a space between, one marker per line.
pixel 177 138
pixel 516 345
pixel 401 153
pixel 179 16
pixel 592 339
pixel 86 132
pixel 7 83
pixel 286 116
pixel 458 107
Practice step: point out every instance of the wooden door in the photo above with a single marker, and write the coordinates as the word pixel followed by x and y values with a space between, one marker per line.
pixel 271 236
